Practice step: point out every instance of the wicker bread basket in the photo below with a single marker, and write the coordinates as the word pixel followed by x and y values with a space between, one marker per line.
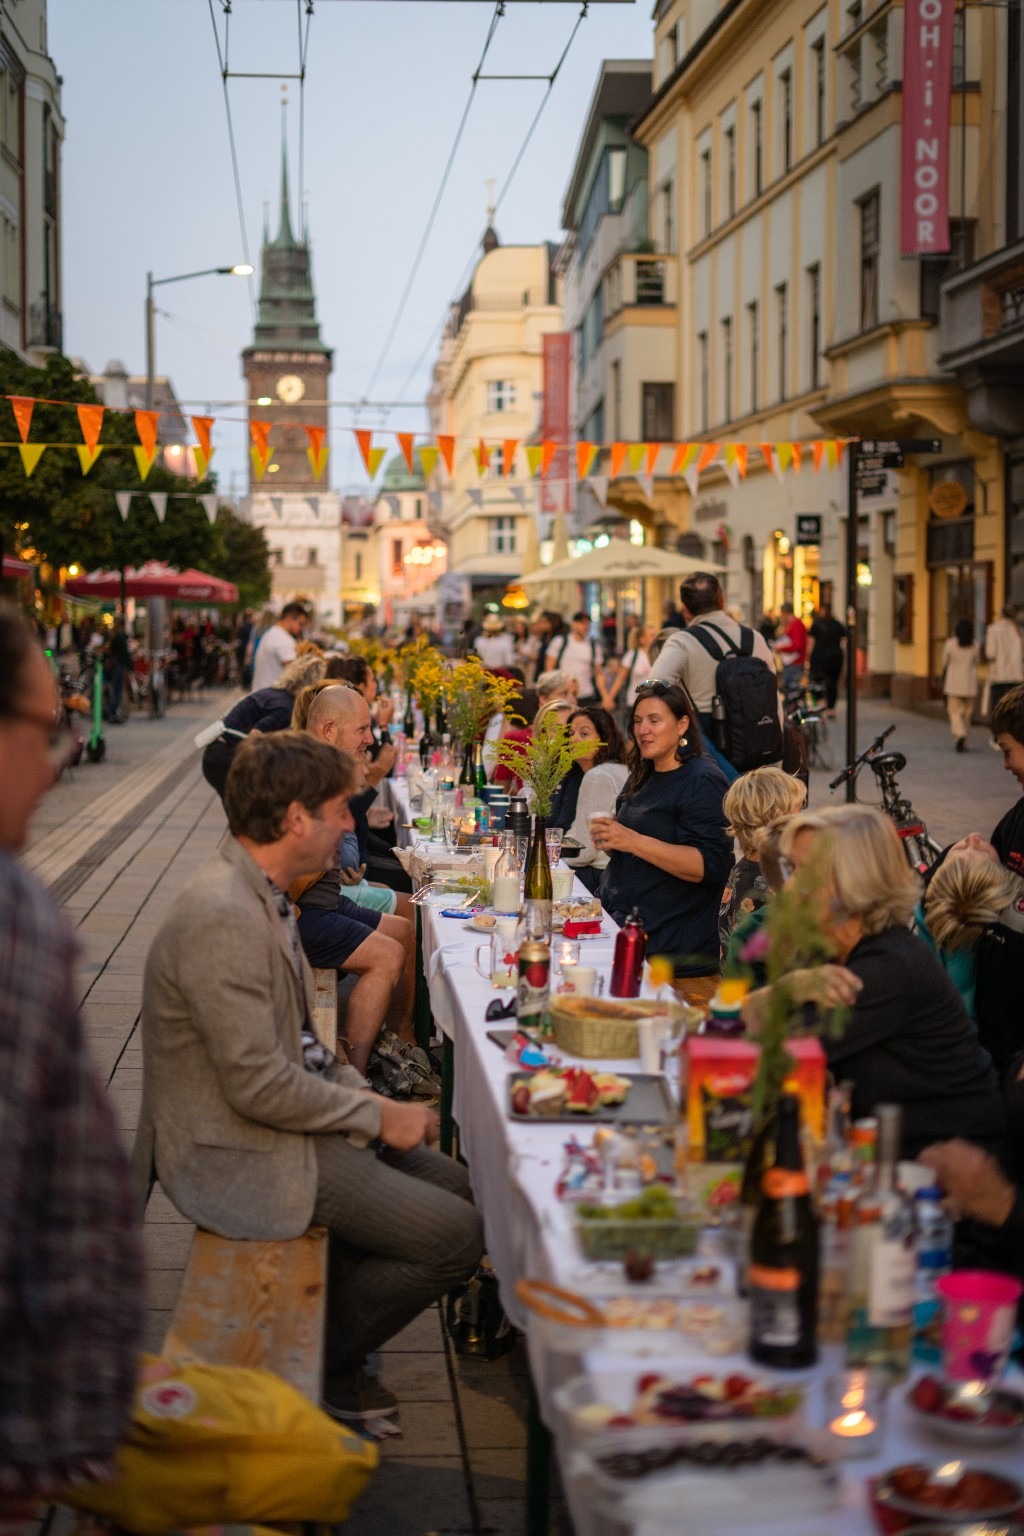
pixel 598 1027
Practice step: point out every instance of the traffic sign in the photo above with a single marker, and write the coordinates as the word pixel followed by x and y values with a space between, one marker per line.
pixel 873 445
pixel 808 528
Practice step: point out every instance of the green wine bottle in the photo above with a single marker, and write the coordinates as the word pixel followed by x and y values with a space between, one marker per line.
pixel 537 886
pixel 783 1273
pixel 479 771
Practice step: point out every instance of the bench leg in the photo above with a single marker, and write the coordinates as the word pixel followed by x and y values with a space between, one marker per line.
pixel 447 1131
pixel 421 1017
pixel 538 1469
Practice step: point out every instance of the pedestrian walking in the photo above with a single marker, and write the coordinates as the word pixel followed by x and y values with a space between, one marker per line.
pixel 825 654
pixel 1004 652
pixel 495 646
pixel 792 649
pixel 632 669
pixel 960 656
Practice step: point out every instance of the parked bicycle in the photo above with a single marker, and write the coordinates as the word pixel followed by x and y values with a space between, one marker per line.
pixel 920 849
pixel 805 708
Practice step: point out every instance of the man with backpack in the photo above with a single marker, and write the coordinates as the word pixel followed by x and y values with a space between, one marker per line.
pixel 579 654
pixel 729 672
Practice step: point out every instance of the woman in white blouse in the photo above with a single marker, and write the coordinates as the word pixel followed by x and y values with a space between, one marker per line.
pixel 960 657
pixel 634 668
pixel 604 774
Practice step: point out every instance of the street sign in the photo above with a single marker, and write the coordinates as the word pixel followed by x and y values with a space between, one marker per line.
pixel 872 445
pixel 808 528
pixel 872 485
pixel 875 463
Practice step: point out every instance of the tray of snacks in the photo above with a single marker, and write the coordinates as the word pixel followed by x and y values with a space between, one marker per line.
pixel 601 1027
pixel 961 1412
pixel 623 1400
pixel 653 1225
pixel 570 1093
pixel 953 1489
pixel 637 1320
pixel 574 912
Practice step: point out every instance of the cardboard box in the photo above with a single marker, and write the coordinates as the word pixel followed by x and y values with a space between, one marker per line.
pixel 720 1081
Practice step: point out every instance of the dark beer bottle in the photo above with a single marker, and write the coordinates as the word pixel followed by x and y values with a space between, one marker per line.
pixel 783 1273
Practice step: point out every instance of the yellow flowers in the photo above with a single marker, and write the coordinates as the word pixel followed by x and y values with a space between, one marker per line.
pixel 472 696
pixel 544 760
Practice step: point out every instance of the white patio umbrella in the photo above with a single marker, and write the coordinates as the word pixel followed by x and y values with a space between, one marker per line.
pixel 618 560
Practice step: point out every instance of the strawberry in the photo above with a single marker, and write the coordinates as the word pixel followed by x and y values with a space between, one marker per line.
pixel 927 1395
pixel 737 1386
pixel 648 1380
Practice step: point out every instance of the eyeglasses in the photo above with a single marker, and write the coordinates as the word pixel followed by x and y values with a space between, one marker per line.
pixel 496 1009
pixel 652 685
pixel 61 740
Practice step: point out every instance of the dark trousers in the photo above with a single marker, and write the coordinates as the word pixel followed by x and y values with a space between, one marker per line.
pixel 827 672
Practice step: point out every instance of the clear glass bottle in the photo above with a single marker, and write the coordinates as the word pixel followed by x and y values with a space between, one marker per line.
pixel 505 883
pixel 883 1261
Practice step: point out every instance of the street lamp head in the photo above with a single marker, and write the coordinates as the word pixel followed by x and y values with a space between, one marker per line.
pixel 242 269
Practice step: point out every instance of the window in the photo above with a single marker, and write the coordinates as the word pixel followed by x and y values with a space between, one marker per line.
pixel 727 369
pixel 870 209
pixel 501 536
pixel 394 507
pixel 11 256
pixel 814 328
pixel 818 89
pixel 705 191
pixel 592 328
pixel 275 557
pixel 673 47
pixel 668 219
pixel 605 196
pixel 782 336
pixel 730 170
pixel 311 556
pixel 703 383
pixel 616 399
pixel 501 396
pixel 657 410
pixel 934 269
pixel 754 341
pixel 419 508
pixel 397 558
pixel 786 120
pixel 359 565
pixel 757 148
pixel 959 47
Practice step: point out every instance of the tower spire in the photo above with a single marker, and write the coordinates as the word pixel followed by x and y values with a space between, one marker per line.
pixel 284 233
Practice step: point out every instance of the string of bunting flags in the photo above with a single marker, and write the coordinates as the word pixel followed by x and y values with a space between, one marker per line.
pixel 689 460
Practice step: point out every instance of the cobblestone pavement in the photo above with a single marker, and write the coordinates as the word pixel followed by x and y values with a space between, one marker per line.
pixel 118 840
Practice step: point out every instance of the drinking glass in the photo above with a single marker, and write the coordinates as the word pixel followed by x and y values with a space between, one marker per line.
pixel 452 828
pixel 553 838
pixel 496 960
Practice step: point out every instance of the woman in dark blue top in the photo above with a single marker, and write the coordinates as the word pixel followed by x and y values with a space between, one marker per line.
pixel 670 852
pixel 266 710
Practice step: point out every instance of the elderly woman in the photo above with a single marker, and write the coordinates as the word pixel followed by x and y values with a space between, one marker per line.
pixel 603 772
pixel 266 710
pixel 669 851
pixel 907 1038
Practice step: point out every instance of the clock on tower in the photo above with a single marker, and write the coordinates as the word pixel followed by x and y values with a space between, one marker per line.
pixel 288 364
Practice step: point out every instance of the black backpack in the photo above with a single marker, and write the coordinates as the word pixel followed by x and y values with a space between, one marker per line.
pixel 746 705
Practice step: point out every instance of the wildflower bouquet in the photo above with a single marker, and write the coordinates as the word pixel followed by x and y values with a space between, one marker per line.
pixel 544 760
pixel 472 695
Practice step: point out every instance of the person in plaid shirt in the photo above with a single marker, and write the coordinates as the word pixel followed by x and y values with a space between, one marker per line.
pixel 71 1263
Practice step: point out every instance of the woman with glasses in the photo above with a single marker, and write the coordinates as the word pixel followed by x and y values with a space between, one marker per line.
pixel 603 775
pixel 669 853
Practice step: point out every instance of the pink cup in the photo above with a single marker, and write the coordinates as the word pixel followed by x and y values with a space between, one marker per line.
pixel 977 1331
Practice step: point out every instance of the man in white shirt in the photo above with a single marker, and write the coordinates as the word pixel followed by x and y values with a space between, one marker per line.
pixel 495 645
pixel 579 654
pixel 278 646
pixel 1004 651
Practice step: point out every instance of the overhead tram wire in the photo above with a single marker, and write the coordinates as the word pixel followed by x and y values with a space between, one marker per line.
pixel 499 11
pixel 467 269
pixel 303 55
pixel 222 56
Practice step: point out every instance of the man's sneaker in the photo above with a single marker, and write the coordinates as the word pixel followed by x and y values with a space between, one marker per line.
pixel 359 1397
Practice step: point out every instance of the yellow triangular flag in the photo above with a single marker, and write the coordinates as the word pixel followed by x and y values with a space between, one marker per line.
pixel 31 453
pixel 428 458
pixel 482 455
pixel 683 457
pixel 203 460
pixel 832 452
pixel 534 454
pixel 636 453
pixel 318 460
pixel 784 455
pixel 374 459
pixel 259 461
pixel 87 456
pixel 144 460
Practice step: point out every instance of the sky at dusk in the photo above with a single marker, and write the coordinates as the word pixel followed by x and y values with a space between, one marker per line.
pixel 148 181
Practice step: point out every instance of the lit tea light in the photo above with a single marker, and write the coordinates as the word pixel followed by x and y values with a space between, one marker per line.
pixel 852 1425
pixel 857 1403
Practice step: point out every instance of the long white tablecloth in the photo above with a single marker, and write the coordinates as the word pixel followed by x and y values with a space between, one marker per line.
pixel 513 1169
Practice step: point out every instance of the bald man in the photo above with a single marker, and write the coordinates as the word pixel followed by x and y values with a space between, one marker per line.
pixel 340 717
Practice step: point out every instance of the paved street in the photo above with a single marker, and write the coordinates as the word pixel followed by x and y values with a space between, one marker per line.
pixel 117 842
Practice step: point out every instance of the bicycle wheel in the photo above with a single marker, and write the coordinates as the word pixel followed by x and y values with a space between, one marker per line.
pixel 823 754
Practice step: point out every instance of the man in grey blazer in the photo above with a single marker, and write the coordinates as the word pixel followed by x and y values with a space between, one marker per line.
pixel 252 1128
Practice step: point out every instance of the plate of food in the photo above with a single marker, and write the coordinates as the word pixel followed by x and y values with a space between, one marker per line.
pixel 958 1411
pixel 627 1400
pixel 481 922
pixel 969 1493
pixel 563 912
pixel 655 1224
pixel 571 1094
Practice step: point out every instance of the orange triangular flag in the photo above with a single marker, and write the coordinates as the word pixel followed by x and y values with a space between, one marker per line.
pixel 736 454
pixel 144 460
pixel 707 454
pixel 618 458
pixel 31 453
pixel 446 448
pixel 548 451
pixel 201 427
pixel 316 437
pixel 683 457
pixel 260 460
pixel 534 454
pixel 90 419
pixel 259 431
pixel 817 454
pixel 405 441
pixel 317 457
pixel 87 456
pixel 508 455
pixel 482 454
pixel 636 455
pixel 365 441
pixel 22 407
pixel 784 455
pixel 768 455
pixel 428 458
pixel 374 460
pixel 203 460
pixel 586 453
pixel 146 424
pixel 652 450
pixel 798 453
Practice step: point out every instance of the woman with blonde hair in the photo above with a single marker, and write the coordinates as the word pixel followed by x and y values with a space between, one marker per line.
pixel 906 1038
pixel 964 896
pixel 266 710
pixel 753 802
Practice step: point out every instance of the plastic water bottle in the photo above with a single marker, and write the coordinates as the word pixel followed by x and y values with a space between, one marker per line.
pixel 934 1259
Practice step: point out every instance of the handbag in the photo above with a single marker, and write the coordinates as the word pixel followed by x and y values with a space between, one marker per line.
pixel 219 1445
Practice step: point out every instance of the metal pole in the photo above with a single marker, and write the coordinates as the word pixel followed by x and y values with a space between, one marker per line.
pixel 851 612
pixel 150 339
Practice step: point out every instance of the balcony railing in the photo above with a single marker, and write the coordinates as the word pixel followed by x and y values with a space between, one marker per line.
pixel 982 310
pixel 45 326
pixel 639 281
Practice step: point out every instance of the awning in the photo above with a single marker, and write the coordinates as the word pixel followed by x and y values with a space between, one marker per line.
pixel 15 568
pixel 155 579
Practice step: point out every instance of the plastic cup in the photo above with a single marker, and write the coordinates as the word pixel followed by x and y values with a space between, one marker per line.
pixel 580 979
pixel 977 1330
pixel 561 883
pixel 490 860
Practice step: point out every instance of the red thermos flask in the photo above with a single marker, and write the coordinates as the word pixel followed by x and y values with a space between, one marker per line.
pixel 628 961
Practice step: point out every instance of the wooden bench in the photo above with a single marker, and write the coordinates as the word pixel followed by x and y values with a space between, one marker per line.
pixel 260 1304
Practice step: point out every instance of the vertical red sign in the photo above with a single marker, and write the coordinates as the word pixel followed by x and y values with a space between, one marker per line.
pixel 927 86
pixel 554 419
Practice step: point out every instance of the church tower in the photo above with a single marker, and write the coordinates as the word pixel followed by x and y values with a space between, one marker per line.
pixel 289 366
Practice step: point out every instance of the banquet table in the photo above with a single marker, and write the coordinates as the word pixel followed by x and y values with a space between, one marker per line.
pixel 513 1168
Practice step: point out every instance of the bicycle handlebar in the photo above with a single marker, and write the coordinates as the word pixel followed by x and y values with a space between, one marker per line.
pixel 858 762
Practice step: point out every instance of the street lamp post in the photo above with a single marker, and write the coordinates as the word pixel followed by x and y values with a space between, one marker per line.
pixel 241 269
